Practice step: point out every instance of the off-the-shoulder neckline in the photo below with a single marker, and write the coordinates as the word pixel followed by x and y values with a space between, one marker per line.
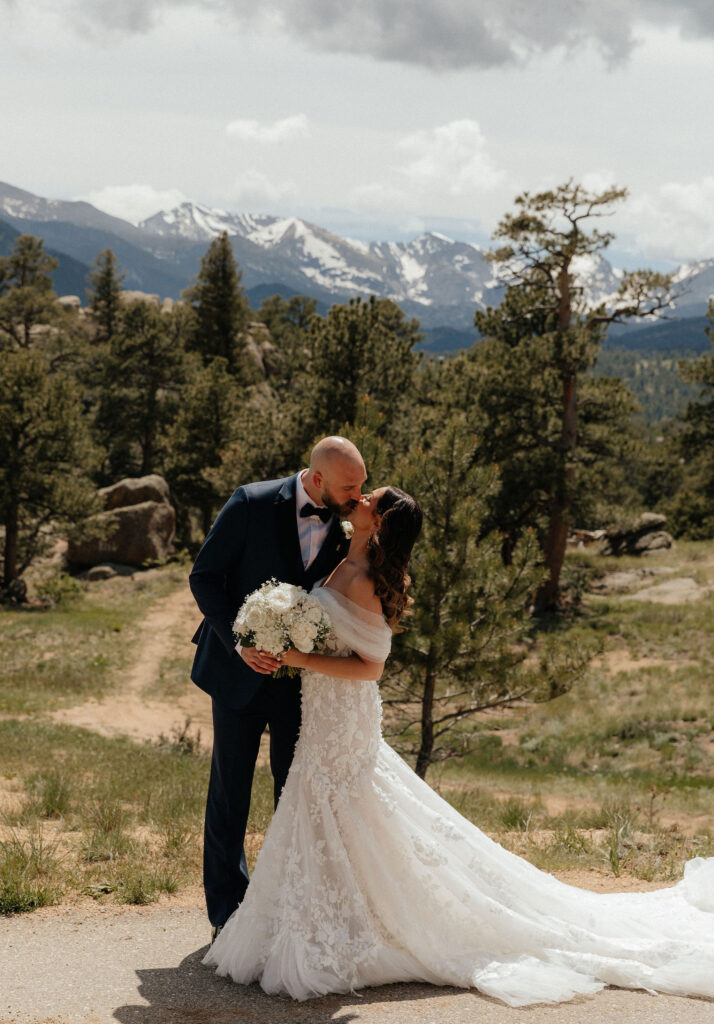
pixel 364 611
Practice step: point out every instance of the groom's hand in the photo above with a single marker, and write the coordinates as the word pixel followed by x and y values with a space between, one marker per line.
pixel 259 661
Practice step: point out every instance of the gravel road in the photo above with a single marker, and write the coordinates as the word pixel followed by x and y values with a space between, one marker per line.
pixel 142 965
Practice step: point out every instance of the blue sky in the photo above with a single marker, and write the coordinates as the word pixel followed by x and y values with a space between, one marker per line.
pixel 378 118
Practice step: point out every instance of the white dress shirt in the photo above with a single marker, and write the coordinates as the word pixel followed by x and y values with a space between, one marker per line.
pixel 311 529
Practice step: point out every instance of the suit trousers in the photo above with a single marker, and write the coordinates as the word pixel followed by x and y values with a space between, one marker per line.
pixel 236 741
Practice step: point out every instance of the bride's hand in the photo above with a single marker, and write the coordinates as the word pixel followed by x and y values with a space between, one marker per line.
pixel 293 658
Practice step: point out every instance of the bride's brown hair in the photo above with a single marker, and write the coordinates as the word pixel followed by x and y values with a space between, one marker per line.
pixel 388 551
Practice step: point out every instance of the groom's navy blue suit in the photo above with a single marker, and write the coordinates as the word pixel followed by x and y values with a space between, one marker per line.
pixel 254 539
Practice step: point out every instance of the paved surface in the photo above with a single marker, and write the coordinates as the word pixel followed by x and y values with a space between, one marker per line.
pixel 142 965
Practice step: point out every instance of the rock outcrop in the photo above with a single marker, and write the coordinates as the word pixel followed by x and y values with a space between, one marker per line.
pixel 135 489
pixel 644 537
pixel 585 538
pixel 107 571
pixel 128 296
pixel 136 528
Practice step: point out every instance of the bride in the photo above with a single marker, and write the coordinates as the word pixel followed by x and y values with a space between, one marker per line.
pixel 366 876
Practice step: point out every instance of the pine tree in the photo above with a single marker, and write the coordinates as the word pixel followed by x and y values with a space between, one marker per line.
pixel 104 296
pixel 139 396
pixel 692 508
pixel 469 643
pixel 27 301
pixel 45 456
pixel 519 427
pixel 363 348
pixel 549 336
pixel 31 317
pixel 288 321
pixel 204 428
pixel 220 307
pixel 44 444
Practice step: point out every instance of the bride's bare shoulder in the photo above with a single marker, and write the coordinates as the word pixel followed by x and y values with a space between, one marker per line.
pixel 360 589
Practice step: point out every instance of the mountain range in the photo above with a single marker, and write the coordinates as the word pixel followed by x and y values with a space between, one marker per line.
pixel 436 279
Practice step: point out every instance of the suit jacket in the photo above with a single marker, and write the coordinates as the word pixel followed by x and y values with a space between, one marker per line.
pixel 254 539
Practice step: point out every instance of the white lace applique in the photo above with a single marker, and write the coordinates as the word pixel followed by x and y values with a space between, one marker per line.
pixel 444 828
pixel 428 852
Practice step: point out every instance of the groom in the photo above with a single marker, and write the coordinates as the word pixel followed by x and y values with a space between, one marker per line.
pixel 288 530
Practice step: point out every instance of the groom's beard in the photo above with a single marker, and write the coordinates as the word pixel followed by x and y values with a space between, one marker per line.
pixel 337 509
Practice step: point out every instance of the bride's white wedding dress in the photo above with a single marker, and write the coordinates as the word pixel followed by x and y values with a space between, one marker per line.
pixel 366 876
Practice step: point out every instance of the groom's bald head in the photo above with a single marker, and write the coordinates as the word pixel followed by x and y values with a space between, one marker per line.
pixel 336 474
pixel 331 450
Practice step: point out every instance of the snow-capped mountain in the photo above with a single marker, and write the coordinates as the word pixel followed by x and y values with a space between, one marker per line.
pixel 191 221
pixel 433 269
pixel 17 205
pixel 435 278
pixel 696 280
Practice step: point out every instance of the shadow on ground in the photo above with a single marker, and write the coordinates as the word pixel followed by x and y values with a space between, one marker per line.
pixel 194 994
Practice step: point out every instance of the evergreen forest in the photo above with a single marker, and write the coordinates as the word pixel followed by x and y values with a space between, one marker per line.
pixel 541 428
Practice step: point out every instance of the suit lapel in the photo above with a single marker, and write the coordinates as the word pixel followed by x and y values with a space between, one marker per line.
pixel 334 548
pixel 287 529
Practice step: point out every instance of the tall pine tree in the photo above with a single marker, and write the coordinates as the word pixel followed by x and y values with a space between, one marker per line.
pixel 45 458
pixel 551 334
pixel 362 348
pixel 204 429
pixel 469 644
pixel 692 508
pixel 45 450
pixel 104 296
pixel 220 308
pixel 27 299
pixel 140 391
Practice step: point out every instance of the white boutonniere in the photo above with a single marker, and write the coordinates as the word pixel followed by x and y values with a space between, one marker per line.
pixel 347 528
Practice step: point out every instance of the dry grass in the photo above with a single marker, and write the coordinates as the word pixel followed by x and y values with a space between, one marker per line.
pixel 613 778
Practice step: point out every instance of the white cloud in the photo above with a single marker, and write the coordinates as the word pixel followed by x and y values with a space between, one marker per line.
pixel 254 190
pixel 452 157
pixel 449 161
pixel 598 181
pixel 676 221
pixel 134 202
pixel 284 130
pixel 379 195
pixel 432 33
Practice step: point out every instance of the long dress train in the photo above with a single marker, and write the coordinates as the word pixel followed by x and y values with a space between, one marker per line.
pixel 367 876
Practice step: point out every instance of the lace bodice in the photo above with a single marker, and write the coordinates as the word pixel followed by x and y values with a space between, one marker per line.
pixel 341 718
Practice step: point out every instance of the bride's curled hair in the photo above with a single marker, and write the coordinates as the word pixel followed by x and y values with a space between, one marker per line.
pixel 388 552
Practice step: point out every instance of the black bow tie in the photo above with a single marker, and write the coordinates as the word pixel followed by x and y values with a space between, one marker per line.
pixel 310 510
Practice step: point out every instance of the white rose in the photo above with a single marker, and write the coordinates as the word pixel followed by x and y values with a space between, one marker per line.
pixel 314 613
pixel 254 617
pixel 283 597
pixel 303 635
pixel 347 528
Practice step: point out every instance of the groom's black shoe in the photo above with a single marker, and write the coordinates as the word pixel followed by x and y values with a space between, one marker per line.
pixel 215 932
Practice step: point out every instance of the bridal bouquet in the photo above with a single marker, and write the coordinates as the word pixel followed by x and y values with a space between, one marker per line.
pixel 279 616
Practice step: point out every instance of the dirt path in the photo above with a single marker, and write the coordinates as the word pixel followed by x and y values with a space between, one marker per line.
pixel 143 966
pixel 165 632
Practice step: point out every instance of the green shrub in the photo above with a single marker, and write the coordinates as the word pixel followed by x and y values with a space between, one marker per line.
pixel 516 815
pixel 50 796
pixel 59 590
pixel 28 873
pixel 107 839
